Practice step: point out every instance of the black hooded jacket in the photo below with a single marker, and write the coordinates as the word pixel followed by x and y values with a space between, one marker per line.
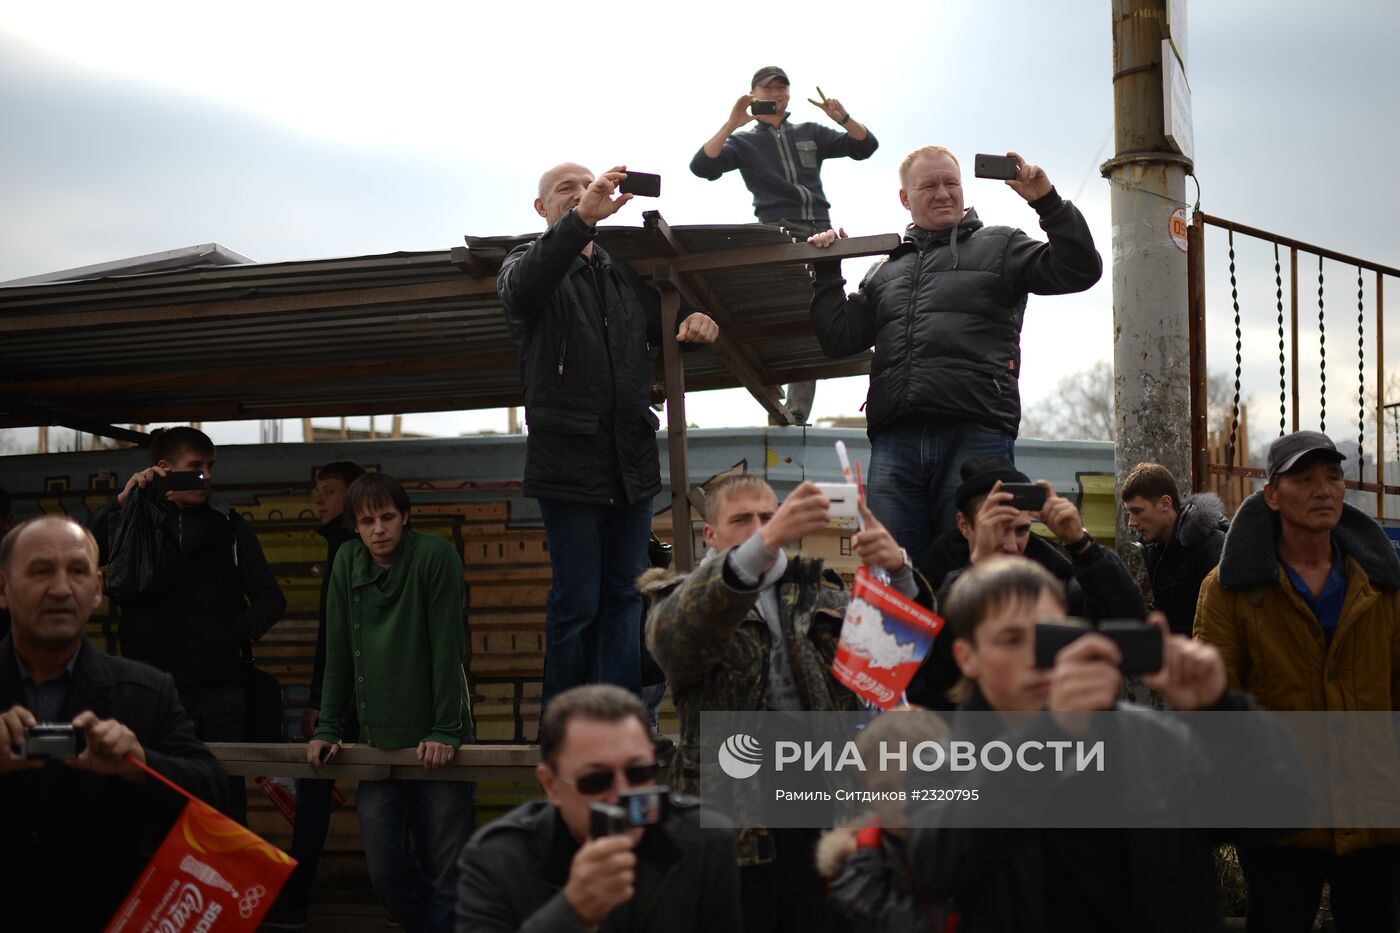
pixel 1176 568
pixel 944 315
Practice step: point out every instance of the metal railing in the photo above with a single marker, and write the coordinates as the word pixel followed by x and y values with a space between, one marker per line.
pixel 1204 466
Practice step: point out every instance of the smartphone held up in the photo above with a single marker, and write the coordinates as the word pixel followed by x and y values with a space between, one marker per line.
pixel 642 184
pixel 1001 167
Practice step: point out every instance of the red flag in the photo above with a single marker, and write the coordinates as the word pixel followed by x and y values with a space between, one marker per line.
pixel 209 874
pixel 884 639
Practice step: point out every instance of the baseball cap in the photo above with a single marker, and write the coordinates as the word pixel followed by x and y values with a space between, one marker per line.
pixel 1285 452
pixel 767 75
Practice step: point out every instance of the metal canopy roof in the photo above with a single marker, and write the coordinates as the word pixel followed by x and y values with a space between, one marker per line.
pixel 394 333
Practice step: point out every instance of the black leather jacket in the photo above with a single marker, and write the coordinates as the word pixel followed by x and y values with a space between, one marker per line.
pixel 944 315
pixel 513 873
pixel 581 332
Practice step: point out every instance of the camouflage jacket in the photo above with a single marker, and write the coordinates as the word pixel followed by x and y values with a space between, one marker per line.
pixel 705 631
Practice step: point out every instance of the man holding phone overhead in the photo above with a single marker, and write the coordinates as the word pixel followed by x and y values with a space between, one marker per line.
pixel 580 323
pixel 944 315
pixel 781 162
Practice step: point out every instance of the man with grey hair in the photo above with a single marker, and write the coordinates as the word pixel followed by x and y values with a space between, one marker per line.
pixel 944 315
pixel 88 816
pixel 581 324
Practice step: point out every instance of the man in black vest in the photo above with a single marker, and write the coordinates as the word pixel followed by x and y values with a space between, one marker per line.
pixel 211 596
pixel 944 314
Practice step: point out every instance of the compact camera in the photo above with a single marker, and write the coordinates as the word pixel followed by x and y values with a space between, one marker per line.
pixel 642 806
pixel 52 740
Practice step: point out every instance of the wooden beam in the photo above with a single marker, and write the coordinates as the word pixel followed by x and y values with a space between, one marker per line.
pixel 470 263
pixel 470 763
pixel 59 321
pixel 675 432
pixel 740 361
pixel 744 258
pixel 445 364
pixel 64 418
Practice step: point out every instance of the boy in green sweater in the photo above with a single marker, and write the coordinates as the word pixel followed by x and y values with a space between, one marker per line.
pixel 394 648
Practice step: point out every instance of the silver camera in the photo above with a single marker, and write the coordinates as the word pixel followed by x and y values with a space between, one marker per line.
pixel 53 740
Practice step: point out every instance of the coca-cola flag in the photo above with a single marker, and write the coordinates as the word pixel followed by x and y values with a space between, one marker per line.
pixel 209 874
pixel 884 639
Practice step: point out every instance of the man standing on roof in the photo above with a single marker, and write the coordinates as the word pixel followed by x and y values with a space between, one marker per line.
pixel 781 162
pixel 581 323
pixel 944 315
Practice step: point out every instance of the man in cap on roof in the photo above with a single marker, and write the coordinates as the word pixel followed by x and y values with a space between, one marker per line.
pixel 781 163
pixel 1305 609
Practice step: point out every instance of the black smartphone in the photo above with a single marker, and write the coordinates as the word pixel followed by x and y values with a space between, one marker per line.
pixel 645 806
pixel 641 184
pixel 761 107
pixel 327 754
pixel 604 819
pixel 182 481
pixel 1028 497
pixel 994 166
pixel 1140 644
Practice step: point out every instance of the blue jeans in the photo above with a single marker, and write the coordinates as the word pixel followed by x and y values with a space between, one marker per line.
pixel 594 618
pixel 417 886
pixel 308 839
pixel 914 478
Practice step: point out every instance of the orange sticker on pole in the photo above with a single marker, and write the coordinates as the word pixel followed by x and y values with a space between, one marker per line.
pixel 210 873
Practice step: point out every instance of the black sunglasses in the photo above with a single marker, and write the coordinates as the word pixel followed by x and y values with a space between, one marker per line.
pixel 600 782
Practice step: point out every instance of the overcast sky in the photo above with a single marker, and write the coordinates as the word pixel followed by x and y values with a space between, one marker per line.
pixel 306 130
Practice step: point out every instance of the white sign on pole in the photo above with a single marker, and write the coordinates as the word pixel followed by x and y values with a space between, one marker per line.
pixel 1176 103
pixel 1176 27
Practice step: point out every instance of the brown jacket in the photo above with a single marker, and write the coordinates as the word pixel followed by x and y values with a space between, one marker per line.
pixel 1275 649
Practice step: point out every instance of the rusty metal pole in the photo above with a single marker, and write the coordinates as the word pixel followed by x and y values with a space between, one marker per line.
pixel 1151 328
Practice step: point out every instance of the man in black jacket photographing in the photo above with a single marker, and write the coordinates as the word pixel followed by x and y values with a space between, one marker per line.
pixel 581 323
pixel 944 315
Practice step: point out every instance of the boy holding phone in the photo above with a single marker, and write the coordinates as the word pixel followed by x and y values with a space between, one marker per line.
pixel 212 593
pixel 1059 879
pixel 781 163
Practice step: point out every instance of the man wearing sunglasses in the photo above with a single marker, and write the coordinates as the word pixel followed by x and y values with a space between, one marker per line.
pixel 539 867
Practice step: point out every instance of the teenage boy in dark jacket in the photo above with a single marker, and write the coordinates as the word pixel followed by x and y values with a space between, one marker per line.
pixel 394 645
pixel 213 592
pixel 1182 539
pixel 580 323
pixel 944 315
pixel 313 814
pixel 1009 880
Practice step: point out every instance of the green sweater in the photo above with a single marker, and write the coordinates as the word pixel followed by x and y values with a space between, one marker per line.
pixel 394 646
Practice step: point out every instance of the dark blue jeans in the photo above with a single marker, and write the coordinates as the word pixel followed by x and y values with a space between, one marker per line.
pixel 914 478
pixel 417 885
pixel 594 618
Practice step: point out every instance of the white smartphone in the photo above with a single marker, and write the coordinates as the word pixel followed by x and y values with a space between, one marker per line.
pixel 843 498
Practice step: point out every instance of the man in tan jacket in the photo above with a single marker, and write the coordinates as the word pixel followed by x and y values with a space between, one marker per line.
pixel 1305 609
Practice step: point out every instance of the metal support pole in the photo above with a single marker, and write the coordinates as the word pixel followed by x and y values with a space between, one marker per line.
pixel 675 431
pixel 1151 323
pixel 1293 323
pixel 1200 380
pixel 1380 395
